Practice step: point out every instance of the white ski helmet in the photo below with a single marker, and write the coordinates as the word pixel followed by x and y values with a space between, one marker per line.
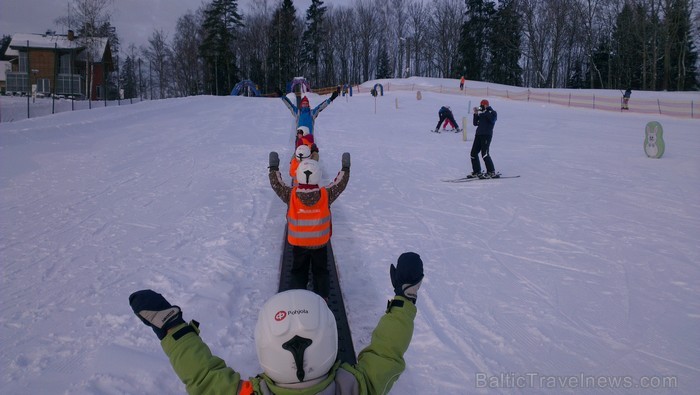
pixel 309 172
pixel 302 152
pixel 296 337
pixel 304 130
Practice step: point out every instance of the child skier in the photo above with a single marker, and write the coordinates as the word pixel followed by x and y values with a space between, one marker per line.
pixel 309 223
pixel 296 351
pixel 445 114
pixel 305 116
pixel 626 99
pixel 304 137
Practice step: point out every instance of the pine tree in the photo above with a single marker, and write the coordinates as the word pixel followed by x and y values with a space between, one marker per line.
pixel 221 24
pixel 504 45
pixel 129 81
pixel 383 65
pixel 601 67
pixel 282 54
pixel 4 43
pixel 311 39
pixel 475 34
pixel 626 67
pixel 577 78
pixel 680 55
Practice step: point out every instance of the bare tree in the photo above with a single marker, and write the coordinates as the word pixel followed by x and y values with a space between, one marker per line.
pixel 159 55
pixel 328 74
pixel 418 24
pixel 253 47
pixel 536 31
pixel 447 22
pixel 186 63
pixel 399 20
pixel 548 27
pixel 343 22
pixel 367 34
pixel 86 17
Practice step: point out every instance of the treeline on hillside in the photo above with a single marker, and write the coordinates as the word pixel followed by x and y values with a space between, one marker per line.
pixel 611 44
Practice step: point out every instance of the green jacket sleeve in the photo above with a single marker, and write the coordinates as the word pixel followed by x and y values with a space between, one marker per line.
pixel 199 370
pixel 381 363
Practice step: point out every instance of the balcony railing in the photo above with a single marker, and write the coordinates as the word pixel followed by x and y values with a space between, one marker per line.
pixel 17 82
pixel 66 84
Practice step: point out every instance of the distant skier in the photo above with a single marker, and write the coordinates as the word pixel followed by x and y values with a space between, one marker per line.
pixel 484 119
pixel 446 116
pixel 461 83
pixel 296 340
pixel 626 99
pixel 309 223
pixel 305 116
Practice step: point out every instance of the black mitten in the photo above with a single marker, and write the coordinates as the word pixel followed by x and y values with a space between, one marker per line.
pixel 274 161
pixel 152 308
pixel 407 276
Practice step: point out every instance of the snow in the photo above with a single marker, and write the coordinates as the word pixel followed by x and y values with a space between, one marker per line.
pixel 583 271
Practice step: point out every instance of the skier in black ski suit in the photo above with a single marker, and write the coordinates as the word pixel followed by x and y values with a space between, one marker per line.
pixel 445 114
pixel 484 120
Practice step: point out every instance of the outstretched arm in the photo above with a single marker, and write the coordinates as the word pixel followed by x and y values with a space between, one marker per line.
pixel 382 361
pixel 289 105
pixel 281 189
pixel 341 180
pixel 199 370
pixel 320 107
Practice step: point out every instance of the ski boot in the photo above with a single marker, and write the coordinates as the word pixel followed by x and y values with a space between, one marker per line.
pixel 474 175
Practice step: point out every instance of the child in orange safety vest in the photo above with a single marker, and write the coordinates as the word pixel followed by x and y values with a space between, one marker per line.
pixel 309 219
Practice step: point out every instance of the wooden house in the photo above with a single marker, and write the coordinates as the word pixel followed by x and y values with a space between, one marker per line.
pixel 63 65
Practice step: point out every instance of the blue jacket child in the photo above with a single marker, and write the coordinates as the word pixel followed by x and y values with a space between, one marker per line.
pixel 304 115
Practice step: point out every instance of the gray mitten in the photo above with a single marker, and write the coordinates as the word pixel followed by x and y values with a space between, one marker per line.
pixel 274 161
pixel 346 160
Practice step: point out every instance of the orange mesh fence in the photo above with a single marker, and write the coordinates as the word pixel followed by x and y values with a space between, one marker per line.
pixel 671 107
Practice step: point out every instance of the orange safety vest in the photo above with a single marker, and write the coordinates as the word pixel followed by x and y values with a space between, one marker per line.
pixel 308 225
pixel 293 165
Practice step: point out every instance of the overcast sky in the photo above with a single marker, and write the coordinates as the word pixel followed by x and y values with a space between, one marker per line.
pixel 135 20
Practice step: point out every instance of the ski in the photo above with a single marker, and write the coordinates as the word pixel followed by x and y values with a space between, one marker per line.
pixel 465 179
pixel 447 131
